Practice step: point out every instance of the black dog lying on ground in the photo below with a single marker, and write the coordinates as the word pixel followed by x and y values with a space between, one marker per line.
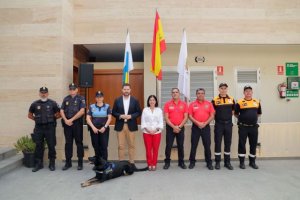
pixel 109 170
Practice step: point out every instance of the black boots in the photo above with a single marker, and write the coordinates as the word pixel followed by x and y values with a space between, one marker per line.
pixel 182 165
pixel 38 165
pixel 192 165
pixel 252 163
pixel 228 165
pixel 227 162
pixel 209 166
pixel 67 165
pixel 242 162
pixel 52 164
pixel 167 165
pixel 217 166
pixel 80 164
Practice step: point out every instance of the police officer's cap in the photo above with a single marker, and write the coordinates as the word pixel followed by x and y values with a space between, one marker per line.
pixel 43 90
pixel 72 86
pixel 223 85
pixel 247 87
pixel 99 94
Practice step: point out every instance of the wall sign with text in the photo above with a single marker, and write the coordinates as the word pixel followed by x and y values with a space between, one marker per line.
pixel 291 69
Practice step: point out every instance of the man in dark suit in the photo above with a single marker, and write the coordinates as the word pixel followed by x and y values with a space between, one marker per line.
pixel 126 110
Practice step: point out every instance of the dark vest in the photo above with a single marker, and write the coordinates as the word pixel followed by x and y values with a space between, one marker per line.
pixel 44 112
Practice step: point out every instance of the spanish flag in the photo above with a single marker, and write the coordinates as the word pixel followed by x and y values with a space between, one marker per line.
pixel 158 47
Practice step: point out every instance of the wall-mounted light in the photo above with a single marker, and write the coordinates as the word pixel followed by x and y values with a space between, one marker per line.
pixel 199 59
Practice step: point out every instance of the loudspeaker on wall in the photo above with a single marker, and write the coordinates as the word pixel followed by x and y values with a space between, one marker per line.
pixel 86 75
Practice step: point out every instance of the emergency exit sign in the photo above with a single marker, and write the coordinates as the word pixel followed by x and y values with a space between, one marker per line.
pixel 292 93
pixel 291 69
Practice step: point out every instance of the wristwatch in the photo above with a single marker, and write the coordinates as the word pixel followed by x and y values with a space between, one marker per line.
pixel 105 127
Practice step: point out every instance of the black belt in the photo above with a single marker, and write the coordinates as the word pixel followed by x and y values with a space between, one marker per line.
pixel 224 122
pixel 45 124
pixel 249 125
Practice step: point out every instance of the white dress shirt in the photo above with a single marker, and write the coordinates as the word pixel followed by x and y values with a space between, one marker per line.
pixel 152 120
pixel 126 102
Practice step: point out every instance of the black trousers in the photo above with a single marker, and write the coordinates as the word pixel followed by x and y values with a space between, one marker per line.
pixel 100 143
pixel 252 133
pixel 222 130
pixel 42 132
pixel 170 136
pixel 74 132
pixel 196 134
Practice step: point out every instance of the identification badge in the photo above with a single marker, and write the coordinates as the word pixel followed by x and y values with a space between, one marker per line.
pixel 38 107
pixel 171 107
pixel 67 103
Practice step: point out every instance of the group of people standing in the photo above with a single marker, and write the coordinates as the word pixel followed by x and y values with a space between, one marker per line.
pixel 126 110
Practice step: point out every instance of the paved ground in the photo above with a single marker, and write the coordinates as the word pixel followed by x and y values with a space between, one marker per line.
pixel 276 179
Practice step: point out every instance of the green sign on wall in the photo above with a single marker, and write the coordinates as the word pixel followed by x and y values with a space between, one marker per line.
pixel 291 69
pixel 292 93
pixel 293 82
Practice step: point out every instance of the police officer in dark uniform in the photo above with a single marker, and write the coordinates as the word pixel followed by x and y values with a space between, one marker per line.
pixel 72 111
pixel 247 110
pixel 98 118
pixel 224 106
pixel 44 112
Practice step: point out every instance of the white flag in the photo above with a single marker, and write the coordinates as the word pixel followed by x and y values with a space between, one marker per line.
pixel 128 62
pixel 184 74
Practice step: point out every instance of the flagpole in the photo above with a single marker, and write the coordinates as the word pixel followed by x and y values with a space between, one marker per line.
pixel 125 50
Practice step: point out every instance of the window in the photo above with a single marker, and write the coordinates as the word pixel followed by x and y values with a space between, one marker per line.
pixel 247 77
pixel 202 79
pixel 199 78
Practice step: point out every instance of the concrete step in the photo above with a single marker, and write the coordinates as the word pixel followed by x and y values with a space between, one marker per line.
pixel 11 163
pixel 6 152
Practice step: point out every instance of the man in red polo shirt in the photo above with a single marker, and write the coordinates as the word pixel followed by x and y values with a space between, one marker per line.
pixel 176 114
pixel 201 112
